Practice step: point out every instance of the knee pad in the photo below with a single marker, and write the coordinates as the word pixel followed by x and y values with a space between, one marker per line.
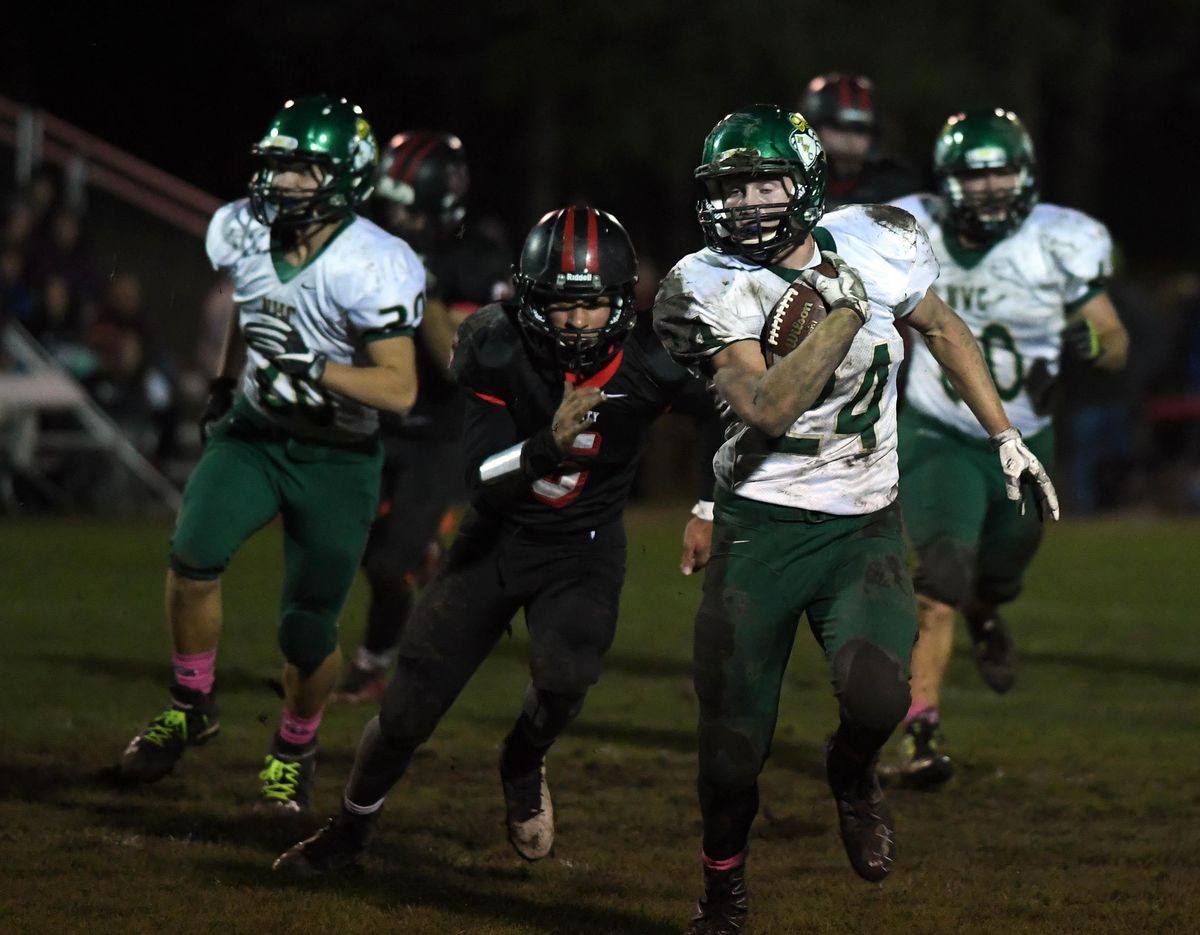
pixel 545 714
pixel 945 571
pixel 870 685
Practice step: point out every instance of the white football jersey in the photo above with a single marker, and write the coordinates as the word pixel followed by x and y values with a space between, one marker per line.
pixel 840 456
pixel 363 286
pixel 1015 299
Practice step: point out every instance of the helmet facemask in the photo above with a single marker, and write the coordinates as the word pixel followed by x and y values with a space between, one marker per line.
pixel 575 350
pixel 989 214
pixel 759 233
pixel 296 207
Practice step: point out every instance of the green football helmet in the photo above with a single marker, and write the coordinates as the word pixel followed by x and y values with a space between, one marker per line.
pixel 761 141
pixel 333 137
pixel 979 142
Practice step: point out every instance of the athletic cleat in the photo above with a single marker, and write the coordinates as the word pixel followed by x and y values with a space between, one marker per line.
pixel 337 847
pixel 723 907
pixel 995 651
pixel 864 818
pixel 529 813
pixel 189 722
pixel 362 684
pixel 924 764
pixel 287 781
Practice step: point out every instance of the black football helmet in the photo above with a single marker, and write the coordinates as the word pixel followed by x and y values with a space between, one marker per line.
pixel 424 172
pixel 576 254
pixel 846 102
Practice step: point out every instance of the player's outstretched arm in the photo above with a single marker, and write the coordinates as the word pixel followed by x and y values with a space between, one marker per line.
pixel 390 383
pixel 957 352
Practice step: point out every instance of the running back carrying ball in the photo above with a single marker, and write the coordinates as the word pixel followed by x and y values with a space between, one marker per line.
pixel 799 310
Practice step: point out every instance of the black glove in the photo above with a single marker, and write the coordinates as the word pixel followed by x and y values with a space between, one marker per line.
pixel 220 401
pixel 278 341
pixel 1042 387
pixel 1080 339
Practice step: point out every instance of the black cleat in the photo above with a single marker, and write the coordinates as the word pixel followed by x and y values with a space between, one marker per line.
pixel 335 848
pixel 287 780
pixel 864 819
pixel 190 721
pixel 723 907
pixel 924 766
pixel 995 651
pixel 529 812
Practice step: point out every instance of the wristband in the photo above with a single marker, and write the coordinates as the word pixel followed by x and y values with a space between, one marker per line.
pixel 703 510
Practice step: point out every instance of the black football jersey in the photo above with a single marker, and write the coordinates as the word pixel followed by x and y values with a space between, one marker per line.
pixel 465 274
pixel 511 394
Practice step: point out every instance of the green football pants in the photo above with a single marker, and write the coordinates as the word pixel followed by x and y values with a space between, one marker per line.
pixel 327 495
pixel 970 539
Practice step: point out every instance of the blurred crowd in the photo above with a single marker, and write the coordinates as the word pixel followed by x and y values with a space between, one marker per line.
pixel 95 327
pixel 1126 440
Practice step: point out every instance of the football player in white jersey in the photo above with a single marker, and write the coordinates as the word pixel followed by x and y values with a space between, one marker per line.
pixel 805 520
pixel 326 305
pixel 1029 281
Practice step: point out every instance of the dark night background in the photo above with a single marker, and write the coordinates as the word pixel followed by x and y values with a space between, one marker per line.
pixel 611 102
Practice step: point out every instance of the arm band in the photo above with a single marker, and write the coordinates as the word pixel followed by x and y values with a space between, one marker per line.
pixel 533 458
pixel 502 465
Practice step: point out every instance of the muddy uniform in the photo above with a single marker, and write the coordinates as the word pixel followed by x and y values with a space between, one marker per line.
pixel 805 523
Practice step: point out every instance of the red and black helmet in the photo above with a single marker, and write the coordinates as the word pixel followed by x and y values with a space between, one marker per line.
pixel 576 254
pixel 840 100
pixel 426 172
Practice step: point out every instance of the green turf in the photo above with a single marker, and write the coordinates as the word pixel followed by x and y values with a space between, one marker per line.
pixel 1075 809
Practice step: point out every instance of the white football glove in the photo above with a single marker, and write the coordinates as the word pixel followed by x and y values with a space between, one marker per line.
pixel 1021 468
pixel 843 291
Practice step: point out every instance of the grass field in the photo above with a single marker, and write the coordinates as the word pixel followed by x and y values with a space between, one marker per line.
pixel 1076 807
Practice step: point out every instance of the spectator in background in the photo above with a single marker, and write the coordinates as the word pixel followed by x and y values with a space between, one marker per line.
pixel 16 298
pixel 133 381
pixel 60 249
pixel 841 108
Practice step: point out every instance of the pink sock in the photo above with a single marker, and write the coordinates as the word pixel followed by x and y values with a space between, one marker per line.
pixel 298 730
pixel 195 671
pixel 729 864
pixel 926 712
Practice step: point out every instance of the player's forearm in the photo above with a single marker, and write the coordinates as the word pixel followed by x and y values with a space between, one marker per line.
pixel 381 387
pixel 437 332
pixel 229 364
pixel 957 352
pixel 1114 349
pixel 772 401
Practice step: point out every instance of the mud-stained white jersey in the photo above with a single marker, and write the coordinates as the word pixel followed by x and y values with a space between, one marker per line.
pixel 365 285
pixel 1015 299
pixel 840 456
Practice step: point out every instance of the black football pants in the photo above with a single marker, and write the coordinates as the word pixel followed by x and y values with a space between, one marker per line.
pixel 569 587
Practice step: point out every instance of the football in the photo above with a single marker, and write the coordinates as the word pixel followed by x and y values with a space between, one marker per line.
pixel 799 310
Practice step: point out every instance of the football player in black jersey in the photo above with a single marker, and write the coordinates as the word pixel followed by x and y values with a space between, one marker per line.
pixel 841 108
pixel 421 196
pixel 562 386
